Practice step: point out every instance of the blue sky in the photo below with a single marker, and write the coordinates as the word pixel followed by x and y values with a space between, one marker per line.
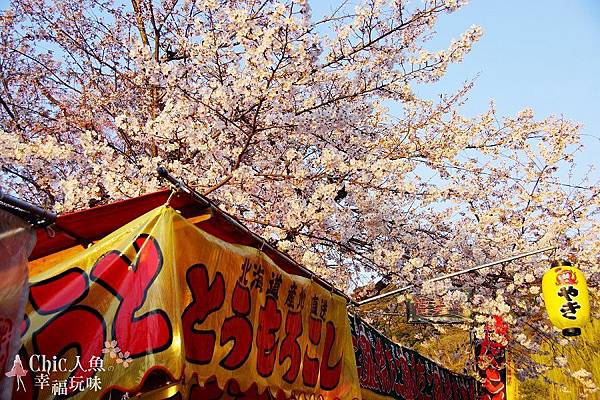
pixel 544 54
pixel 541 54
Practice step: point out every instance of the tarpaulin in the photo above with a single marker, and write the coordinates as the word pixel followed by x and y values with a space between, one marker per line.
pixel 160 301
pixel 16 242
pixel 387 370
pixel 72 231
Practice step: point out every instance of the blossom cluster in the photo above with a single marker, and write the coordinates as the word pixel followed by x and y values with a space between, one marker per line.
pixel 290 122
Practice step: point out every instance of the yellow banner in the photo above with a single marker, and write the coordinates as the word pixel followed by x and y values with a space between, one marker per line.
pixel 161 302
pixel 512 382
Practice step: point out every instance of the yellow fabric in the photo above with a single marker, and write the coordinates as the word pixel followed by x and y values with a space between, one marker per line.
pixel 581 354
pixel 370 395
pixel 186 253
pixel 512 382
pixel 51 260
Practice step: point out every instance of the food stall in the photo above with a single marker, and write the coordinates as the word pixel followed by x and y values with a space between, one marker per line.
pixel 166 296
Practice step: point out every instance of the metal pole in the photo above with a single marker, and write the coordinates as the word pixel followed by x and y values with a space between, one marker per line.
pixel 45 217
pixel 180 185
pixel 453 274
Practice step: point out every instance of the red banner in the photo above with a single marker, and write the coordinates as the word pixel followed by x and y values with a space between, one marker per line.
pixel 388 370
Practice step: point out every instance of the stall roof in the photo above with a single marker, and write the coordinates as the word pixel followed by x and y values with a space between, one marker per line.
pixel 90 225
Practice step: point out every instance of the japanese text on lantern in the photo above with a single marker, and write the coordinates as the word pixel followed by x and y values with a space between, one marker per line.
pixel 566 280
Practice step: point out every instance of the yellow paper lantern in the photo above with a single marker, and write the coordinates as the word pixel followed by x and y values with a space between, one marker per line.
pixel 566 297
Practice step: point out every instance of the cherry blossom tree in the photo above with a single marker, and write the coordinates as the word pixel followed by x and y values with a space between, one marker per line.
pixel 285 120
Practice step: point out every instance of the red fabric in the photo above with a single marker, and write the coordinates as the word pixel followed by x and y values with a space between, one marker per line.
pixel 90 225
pixel 86 226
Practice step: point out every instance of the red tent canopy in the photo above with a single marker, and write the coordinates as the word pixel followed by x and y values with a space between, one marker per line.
pixel 90 225
pixel 87 226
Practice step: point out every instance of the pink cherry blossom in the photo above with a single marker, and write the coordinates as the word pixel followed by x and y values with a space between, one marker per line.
pixel 309 130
